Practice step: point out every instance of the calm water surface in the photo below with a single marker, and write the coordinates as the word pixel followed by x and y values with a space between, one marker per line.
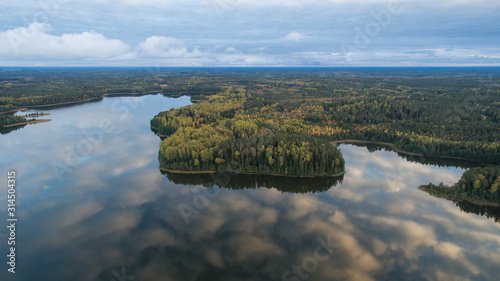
pixel 93 205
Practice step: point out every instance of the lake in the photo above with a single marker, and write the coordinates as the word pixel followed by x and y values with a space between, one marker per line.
pixel 92 204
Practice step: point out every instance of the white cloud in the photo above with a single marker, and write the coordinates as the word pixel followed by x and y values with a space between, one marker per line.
pixel 165 47
pixel 294 36
pixel 34 42
pixel 278 2
pixel 464 53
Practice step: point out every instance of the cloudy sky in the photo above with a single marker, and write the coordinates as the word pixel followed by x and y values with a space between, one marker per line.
pixel 250 32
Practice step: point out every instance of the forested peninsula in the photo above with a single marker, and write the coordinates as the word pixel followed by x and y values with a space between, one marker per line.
pixel 220 135
pixel 480 185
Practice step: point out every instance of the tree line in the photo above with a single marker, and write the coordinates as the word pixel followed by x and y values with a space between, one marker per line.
pixel 480 183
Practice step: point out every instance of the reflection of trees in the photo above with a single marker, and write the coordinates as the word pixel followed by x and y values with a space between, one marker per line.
pixel 476 191
pixel 239 181
pixel 490 212
pixel 426 160
pixel 486 210
pixel 7 130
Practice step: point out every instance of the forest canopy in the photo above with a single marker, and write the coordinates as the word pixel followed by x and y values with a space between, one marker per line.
pixel 439 112
pixel 426 112
pixel 219 135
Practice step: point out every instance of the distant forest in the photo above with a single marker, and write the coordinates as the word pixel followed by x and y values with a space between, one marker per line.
pixel 451 112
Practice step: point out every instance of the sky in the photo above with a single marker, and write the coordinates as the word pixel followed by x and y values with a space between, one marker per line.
pixel 288 33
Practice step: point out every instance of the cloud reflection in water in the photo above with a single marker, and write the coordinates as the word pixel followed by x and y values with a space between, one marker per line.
pixel 117 210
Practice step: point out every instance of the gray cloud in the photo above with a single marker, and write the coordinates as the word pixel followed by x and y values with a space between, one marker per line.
pixel 165 32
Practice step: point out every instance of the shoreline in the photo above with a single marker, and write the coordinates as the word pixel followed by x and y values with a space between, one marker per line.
pixel 247 173
pixel 396 149
pixel 26 107
pixel 27 123
pixel 62 103
pixel 446 196
pixel 14 110
pixel 111 95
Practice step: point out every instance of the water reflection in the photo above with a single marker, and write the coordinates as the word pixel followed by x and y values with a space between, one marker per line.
pixel 116 210
pixel 241 181
pixel 491 212
pixel 7 130
pixel 426 160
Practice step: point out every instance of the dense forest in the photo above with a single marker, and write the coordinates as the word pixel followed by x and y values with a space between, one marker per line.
pixel 451 112
pixel 219 135
pixel 434 113
pixel 481 184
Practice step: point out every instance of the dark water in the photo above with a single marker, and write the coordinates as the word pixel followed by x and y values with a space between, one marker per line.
pixel 93 205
